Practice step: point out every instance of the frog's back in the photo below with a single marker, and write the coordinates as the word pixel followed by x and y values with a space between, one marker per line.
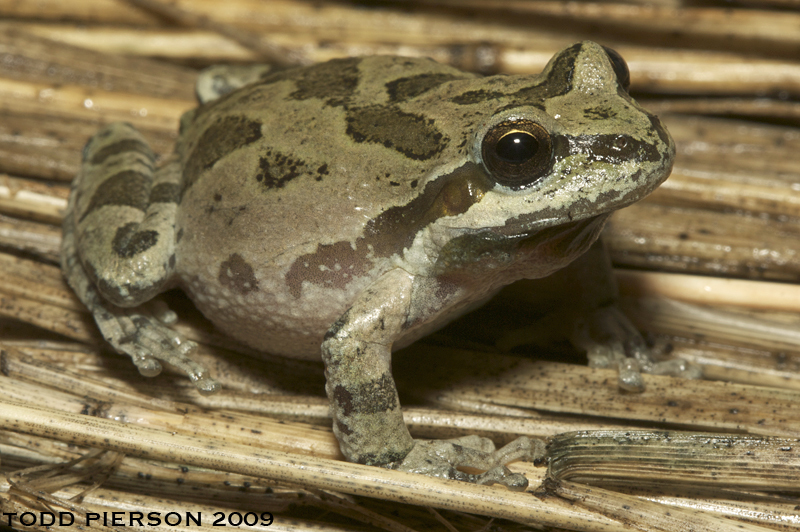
pixel 285 180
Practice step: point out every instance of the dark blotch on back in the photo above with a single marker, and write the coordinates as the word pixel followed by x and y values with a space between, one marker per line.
pixel 414 136
pixel 333 81
pixel 237 275
pixel 599 113
pixel 403 89
pixel 331 265
pixel 559 81
pixel 478 96
pixel 277 169
pixel 129 188
pixel 224 136
pixel 322 171
pixel 129 242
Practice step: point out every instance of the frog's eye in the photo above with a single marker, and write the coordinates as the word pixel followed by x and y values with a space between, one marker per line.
pixel 517 153
pixel 620 67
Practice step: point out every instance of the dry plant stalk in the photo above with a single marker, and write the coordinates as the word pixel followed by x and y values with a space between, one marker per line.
pixel 721 171
pixel 638 458
pixel 265 50
pixel 554 387
pixel 337 31
pixel 637 510
pixel 284 467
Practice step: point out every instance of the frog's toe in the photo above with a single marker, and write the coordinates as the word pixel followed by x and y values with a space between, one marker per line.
pixel 611 341
pixel 502 475
pixel 630 377
pixel 146 364
pixel 443 458
pixel 149 342
pixel 630 371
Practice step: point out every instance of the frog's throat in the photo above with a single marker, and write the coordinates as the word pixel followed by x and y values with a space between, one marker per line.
pixel 550 249
pixel 570 239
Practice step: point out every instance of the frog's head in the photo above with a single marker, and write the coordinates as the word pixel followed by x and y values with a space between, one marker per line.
pixel 557 151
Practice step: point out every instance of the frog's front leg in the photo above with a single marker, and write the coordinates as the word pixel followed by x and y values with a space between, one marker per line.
pixel 367 418
pixel 607 335
pixel 118 248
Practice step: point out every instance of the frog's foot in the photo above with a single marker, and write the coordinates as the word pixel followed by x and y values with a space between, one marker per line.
pixel 442 458
pixel 143 332
pixel 611 340
pixel 147 339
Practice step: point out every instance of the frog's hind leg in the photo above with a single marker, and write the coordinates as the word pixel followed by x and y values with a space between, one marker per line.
pixel 117 248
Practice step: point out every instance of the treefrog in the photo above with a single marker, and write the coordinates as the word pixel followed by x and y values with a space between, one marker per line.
pixel 345 209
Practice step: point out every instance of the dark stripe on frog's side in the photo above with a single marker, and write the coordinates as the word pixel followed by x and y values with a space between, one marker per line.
pixel 129 188
pixel 237 275
pixel 403 89
pixel 129 242
pixel 414 136
pixel 334 265
pixel 558 82
pixel 374 397
pixel 225 135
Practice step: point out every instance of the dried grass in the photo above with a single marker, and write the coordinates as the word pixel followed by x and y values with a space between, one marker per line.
pixel 81 431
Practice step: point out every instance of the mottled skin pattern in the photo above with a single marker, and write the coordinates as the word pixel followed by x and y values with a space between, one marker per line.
pixel 347 205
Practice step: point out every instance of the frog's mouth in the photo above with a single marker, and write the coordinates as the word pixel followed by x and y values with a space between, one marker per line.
pixel 566 240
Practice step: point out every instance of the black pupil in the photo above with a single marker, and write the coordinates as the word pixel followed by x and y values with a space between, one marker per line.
pixel 517 147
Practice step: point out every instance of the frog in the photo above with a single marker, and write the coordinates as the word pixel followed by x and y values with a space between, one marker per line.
pixel 345 209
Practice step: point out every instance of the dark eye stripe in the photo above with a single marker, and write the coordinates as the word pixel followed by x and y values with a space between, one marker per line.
pixel 613 149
